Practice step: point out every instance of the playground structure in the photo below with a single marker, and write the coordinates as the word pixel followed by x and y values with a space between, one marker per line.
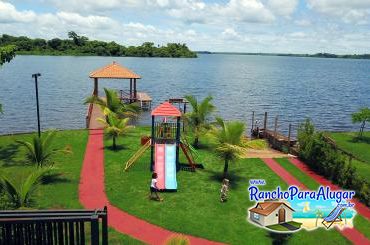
pixel 165 143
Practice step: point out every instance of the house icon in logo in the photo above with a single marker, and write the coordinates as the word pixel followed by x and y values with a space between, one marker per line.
pixel 271 212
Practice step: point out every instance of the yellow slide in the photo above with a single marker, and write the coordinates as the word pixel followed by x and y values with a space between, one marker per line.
pixel 137 155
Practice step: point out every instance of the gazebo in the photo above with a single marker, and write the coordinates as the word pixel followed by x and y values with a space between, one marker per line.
pixel 116 71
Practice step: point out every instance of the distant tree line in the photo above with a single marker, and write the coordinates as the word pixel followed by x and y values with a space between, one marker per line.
pixel 317 55
pixel 80 45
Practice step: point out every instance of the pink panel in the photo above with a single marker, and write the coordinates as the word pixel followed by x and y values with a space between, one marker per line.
pixel 159 164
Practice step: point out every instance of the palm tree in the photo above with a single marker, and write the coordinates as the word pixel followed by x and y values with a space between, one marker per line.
pixel 115 126
pixel 20 195
pixel 197 119
pixel 1 108
pixel 39 151
pixel 112 103
pixel 319 214
pixel 230 143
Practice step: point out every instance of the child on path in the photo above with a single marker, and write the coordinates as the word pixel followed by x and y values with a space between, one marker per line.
pixel 153 188
pixel 224 190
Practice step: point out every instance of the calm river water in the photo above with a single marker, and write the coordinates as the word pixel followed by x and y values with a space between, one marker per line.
pixel 325 90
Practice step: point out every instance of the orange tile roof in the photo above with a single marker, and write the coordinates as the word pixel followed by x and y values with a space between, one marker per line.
pixel 114 70
pixel 166 109
pixel 266 208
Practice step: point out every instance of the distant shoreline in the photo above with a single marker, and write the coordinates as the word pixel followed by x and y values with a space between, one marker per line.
pixel 318 55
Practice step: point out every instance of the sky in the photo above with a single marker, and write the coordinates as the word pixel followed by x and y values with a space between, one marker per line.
pixel 267 26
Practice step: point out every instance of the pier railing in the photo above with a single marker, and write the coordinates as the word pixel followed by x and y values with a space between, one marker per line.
pixel 54 227
pixel 88 113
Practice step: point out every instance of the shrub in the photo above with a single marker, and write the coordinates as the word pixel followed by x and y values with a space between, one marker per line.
pixel 324 159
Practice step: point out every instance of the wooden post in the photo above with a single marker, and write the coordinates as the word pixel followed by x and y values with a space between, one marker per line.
pixel 130 90
pixel 177 142
pixel 275 130
pixel 252 124
pixel 265 125
pixel 183 121
pixel 95 87
pixel 152 147
pixel 135 91
pixel 289 135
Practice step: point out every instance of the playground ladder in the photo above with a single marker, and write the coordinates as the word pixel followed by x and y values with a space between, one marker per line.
pixel 137 155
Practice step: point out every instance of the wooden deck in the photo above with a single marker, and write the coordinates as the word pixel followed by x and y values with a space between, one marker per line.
pixel 142 98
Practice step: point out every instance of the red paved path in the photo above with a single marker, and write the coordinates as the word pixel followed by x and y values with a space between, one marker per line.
pixel 360 208
pixel 92 195
pixel 351 234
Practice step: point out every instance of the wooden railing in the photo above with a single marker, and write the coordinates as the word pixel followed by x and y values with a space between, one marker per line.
pixel 88 113
pixel 53 227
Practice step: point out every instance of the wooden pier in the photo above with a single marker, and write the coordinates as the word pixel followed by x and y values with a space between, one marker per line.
pixel 143 99
pixel 276 139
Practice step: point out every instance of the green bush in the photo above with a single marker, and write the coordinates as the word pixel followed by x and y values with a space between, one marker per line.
pixel 324 159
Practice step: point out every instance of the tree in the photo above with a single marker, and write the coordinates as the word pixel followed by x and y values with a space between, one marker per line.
pixel 230 143
pixel 198 118
pixel 39 151
pixel 78 40
pixel 115 126
pixel 362 116
pixel 55 43
pixel 7 53
pixel 20 195
pixel 112 103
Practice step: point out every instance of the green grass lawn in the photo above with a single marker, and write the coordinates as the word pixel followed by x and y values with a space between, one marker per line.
pixel 361 223
pixel 195 208
pixel 359 148
pixel 62 191
pixel 347 141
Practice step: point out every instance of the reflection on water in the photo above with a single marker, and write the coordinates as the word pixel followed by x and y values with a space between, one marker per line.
pixel 326 90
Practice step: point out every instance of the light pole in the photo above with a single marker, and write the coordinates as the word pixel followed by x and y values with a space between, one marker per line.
pixel 36 75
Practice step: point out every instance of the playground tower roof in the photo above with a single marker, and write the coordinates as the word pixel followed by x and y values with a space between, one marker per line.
pixel 166 109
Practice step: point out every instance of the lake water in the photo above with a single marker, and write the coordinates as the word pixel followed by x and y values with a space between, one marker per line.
pixel 325 90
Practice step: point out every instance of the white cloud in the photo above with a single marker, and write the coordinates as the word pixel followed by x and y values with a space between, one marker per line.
pixel 303 22
pixel 245 11
pixel 226 25
pixel 283 7
pixel 353 11
pixel 9 14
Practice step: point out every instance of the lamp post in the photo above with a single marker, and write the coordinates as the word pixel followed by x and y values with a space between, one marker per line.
pixel 36 75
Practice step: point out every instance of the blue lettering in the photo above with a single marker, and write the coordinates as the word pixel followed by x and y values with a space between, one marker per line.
pixel 253 193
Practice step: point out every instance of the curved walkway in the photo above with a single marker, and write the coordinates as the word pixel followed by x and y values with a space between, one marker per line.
pixel 352 234
pixel 92 195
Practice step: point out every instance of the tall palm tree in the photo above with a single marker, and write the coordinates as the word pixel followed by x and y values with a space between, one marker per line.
pixel 198 118
pixel 115 126
pixel 39 151
pixel 20 195
pixel 230 143
pixel 112 103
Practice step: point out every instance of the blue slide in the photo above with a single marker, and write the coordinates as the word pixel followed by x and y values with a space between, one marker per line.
pixel 170 172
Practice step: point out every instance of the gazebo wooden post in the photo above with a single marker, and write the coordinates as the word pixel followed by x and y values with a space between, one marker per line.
pixel 135 91
pixel 130 90
pixel 95 87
